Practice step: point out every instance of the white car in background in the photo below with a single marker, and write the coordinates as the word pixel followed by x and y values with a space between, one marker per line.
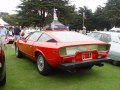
pixel 112 38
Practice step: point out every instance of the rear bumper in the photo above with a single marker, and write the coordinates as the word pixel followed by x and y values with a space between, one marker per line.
pixel 67 66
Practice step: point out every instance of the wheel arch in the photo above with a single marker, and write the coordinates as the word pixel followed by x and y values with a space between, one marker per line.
pixel 38 52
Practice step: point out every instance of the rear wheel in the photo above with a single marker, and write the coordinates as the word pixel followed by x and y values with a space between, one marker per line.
pixel 3 81
pixel 116 63
pixel 17 52
pixel 43 65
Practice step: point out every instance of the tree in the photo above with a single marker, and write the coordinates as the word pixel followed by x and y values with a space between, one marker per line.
pixel 40 12
pixel 11 19
pixel 100 21
pixel 3 14
pixel 85 13
pixel 112 12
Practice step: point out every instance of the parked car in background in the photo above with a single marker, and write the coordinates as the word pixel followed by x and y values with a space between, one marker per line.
pixel 9 39
pixel 112 38
pixel 62 49
pixel 2 67
pixel 25 33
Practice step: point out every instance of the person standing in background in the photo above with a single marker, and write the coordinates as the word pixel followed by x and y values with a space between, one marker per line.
pixel 84 31
pixel 16 33
pixel 10 32
pixel 3 35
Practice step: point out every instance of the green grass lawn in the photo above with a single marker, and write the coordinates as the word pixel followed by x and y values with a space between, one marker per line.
pixel 22 74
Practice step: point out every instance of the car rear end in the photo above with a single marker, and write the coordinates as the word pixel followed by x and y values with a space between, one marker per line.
pixel 76 50
pixel 83 56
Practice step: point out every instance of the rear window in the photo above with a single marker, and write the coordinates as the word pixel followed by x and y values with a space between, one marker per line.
pixel 70 36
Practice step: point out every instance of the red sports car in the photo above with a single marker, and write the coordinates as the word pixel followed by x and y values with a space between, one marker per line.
pixel 9 39
pixel 62 49
pixel 2 67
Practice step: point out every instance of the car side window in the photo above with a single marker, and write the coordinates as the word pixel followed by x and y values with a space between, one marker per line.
pixel 106 38
pixel 92 34
pixel 46 38
pixel 97 36
pixel 34 36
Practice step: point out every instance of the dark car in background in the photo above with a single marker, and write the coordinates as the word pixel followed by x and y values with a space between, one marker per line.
pixel 2 67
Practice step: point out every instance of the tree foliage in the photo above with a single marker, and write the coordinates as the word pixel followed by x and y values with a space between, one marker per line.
pixel 3 14
pixel 112 12
pixel 87 17
pixel 11 19
pixel 99 19
pixel 40 12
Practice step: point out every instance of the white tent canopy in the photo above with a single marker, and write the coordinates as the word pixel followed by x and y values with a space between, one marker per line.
pixel 2 22
pixel 114 29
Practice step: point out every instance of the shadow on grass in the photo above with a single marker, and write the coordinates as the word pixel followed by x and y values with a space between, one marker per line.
pixel 32 78
pixel 62 74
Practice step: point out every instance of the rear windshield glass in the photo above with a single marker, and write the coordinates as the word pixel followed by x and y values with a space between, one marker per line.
pixel 70 36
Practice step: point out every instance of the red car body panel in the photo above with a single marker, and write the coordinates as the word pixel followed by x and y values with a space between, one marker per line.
pixel 2 66
pixel 9 39
pixel 51 50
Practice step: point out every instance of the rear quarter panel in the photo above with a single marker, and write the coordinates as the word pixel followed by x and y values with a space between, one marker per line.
pixel 49 50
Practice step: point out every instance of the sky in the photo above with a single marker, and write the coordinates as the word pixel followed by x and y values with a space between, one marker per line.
pixel 10 5
pixel 91 4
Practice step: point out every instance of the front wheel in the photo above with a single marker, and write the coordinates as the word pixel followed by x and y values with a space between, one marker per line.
pixel 43 65
pixel 3 81
pixel 17 52
pixel 116 63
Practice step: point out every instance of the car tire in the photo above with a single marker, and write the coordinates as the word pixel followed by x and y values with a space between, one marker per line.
pixel 116 63
pixel 43 66
pixel 2 83
pixel 18 53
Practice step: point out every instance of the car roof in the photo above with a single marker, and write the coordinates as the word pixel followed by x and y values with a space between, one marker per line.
pixel 105 32
pixel 84 37
pixel 49 31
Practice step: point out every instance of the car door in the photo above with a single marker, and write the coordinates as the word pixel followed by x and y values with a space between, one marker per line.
pixel 29 43
pixel 114 52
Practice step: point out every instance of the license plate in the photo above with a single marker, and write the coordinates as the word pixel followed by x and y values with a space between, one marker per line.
pixel 86 56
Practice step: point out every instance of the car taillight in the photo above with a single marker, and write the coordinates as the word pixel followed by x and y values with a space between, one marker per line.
pixel 63 52
pixel 66 51
pixel 103 48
